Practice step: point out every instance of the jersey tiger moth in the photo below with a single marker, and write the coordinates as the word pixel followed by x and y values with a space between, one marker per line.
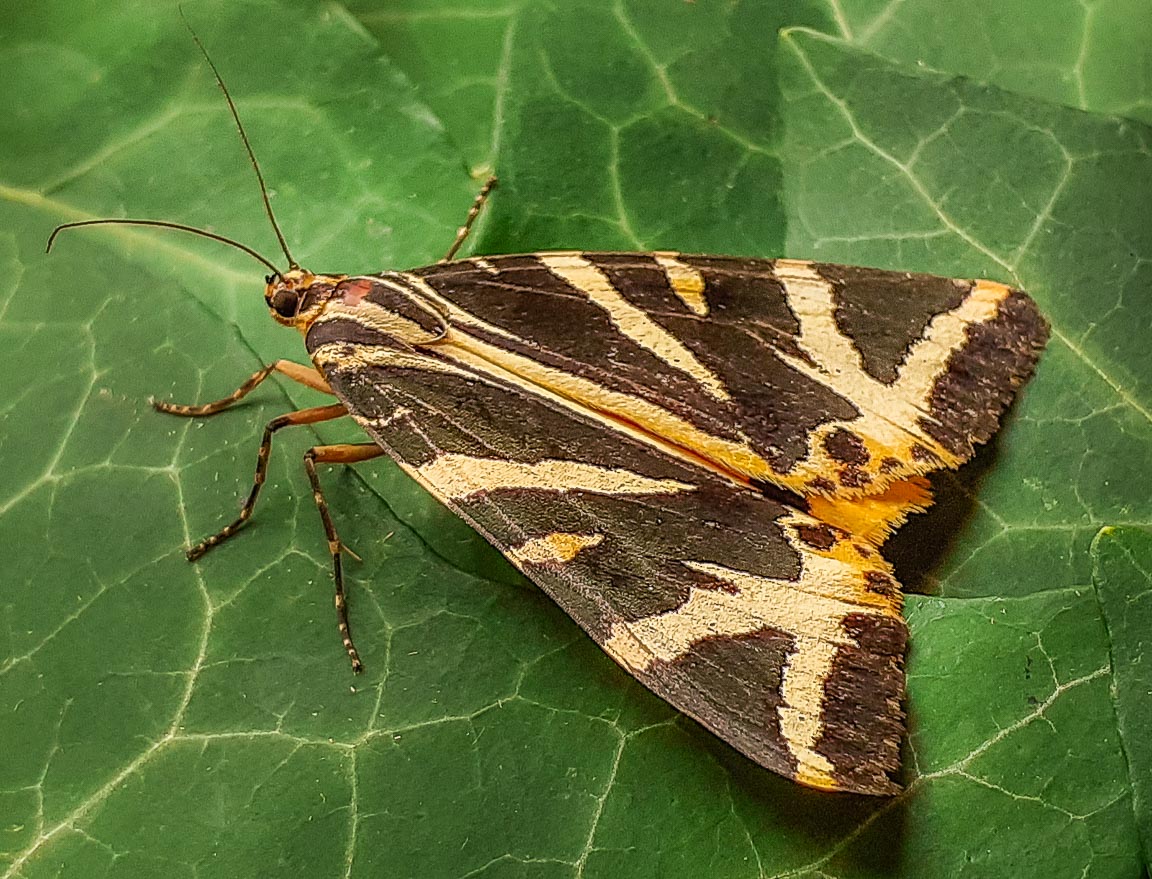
pixel 697 457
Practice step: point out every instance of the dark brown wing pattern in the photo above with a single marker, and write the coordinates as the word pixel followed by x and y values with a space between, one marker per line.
pixel 612 423
pixel 823 379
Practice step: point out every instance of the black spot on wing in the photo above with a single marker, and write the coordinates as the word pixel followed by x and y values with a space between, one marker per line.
pixel 819 537
pixel 846 447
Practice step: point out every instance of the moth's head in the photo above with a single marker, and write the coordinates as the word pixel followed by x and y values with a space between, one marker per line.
pixel 297 297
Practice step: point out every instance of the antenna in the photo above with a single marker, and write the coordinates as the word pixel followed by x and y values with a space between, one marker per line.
pixel 292 264
pixel 164 224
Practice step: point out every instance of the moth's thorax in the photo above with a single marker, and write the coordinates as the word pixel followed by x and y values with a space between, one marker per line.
pixel 391 308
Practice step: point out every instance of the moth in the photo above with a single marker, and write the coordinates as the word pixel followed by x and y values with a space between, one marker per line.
pixel 698 457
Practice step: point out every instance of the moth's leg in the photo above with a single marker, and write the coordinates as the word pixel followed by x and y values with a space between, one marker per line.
pixel 473 213
pixel 302 416
pixel 345 453
pixel 305 375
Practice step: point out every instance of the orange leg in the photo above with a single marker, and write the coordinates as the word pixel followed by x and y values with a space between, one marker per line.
pixel 302 416
pixel 305 375
pixel 345 453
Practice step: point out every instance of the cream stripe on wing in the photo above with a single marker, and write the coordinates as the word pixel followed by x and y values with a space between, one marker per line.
pixel 758 602
pixel 814 622
pixel 457 316
pixel 810 608
pixel 630 320
pixel 376 317
pixel 811 299
pixel 928 358
pixel 658 426
pixel 890 413
pixel 346 355
pixel 558 547
pixel 458 476
pixel 802 712
pixel 685 280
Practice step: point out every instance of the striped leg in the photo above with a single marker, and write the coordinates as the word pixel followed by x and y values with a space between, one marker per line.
pixel 302 416
pixel 345 453
pixel 305 375
pixel 473 213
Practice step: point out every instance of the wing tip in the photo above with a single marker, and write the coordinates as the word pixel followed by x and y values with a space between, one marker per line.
pixel 984 374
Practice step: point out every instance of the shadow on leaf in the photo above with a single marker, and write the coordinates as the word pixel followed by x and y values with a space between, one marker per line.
pixel 918 548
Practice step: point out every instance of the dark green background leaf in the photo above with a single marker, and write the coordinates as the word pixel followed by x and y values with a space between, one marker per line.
pixel 1122 574
pixel 1092 56
pixel 167 719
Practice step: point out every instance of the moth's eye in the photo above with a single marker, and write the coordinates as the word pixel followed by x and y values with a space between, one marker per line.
pixel 285 302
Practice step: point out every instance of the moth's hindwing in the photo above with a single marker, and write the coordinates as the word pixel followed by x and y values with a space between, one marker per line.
pixel 629 430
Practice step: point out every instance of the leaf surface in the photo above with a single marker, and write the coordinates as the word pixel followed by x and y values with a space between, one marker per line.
pixel 1122 575
pixel 175 719
pixel 1092 56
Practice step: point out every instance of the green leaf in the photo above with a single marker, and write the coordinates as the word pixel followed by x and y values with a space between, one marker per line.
pixel 459 53
pixel 1093 56
pixel 1122 575
pixel 172 719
